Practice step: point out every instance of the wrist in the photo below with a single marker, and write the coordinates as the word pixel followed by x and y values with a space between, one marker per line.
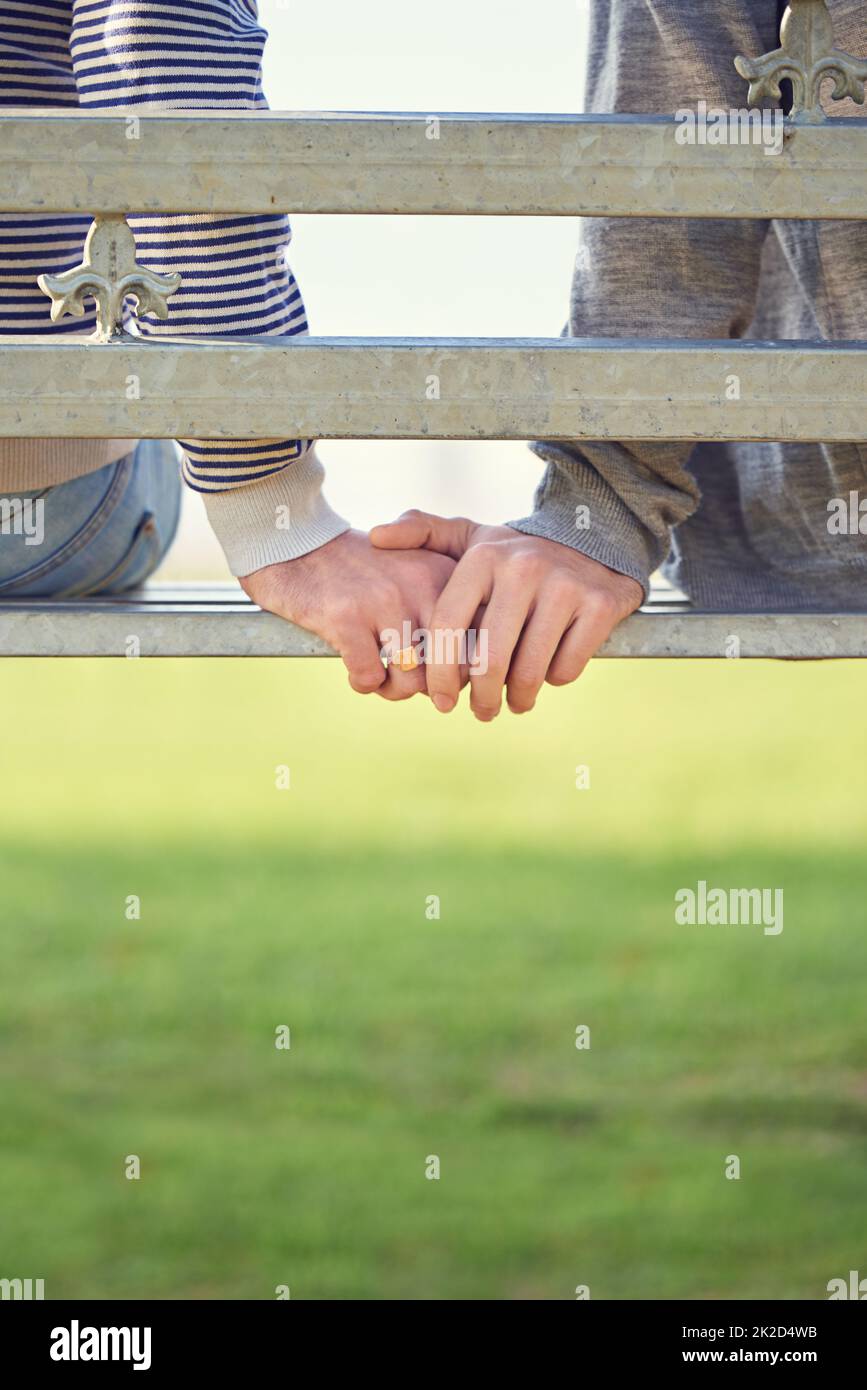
pixel 556 524
pixel 280 518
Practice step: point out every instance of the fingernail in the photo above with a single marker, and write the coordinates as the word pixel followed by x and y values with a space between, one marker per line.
pixel 444 703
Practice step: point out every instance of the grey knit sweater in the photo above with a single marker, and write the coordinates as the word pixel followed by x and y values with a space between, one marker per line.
pixel 741 526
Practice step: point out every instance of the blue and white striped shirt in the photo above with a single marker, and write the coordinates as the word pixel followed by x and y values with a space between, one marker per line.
pixel 153 56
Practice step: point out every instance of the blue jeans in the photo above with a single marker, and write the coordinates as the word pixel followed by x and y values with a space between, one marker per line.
pixel 100 534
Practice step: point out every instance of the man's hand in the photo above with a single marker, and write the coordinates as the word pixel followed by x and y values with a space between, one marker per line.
pixel 350 594
pixel 547 608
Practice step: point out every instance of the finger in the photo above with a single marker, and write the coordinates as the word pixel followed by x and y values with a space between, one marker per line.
pixel 426 624
pixel 475 652
pixel 399 683
pixel 467 591
pixel 361 657
pixel 424 531
pixel 504 621
pixel 536 649
pixel 590 630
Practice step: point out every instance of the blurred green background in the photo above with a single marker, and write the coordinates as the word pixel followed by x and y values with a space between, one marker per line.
pixel 413 1037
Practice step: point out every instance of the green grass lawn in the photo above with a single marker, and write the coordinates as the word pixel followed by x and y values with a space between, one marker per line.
pixel 413 1037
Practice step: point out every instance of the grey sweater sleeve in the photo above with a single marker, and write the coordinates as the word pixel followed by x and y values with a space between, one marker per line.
pixel 652 277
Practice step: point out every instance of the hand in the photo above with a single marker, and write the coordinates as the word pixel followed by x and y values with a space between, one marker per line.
pixel 546 608
pixel 349 594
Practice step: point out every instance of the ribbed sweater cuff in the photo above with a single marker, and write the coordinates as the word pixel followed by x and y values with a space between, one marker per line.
pixel 553 525
pixel 577 507
pixel 279 518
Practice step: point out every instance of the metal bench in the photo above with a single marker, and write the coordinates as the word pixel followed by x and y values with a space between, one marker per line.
pixel 591 389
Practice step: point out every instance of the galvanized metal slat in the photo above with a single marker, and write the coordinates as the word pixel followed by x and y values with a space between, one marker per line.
pixel 366 388
pixel 218 621
pixel 548 166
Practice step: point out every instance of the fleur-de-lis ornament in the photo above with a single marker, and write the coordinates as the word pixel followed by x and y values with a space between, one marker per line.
pixel 806 56
pixel 108 273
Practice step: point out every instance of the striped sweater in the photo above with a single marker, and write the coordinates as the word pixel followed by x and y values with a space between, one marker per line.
pixel 150 55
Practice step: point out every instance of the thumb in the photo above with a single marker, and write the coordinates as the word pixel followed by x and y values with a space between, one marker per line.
pixel 424 531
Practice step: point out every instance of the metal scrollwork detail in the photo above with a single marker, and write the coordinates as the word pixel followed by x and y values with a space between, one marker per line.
pixel 108 273
pixel 807 57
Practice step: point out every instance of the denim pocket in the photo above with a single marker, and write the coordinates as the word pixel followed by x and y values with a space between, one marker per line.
pixel 142 556
pixel 69 537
